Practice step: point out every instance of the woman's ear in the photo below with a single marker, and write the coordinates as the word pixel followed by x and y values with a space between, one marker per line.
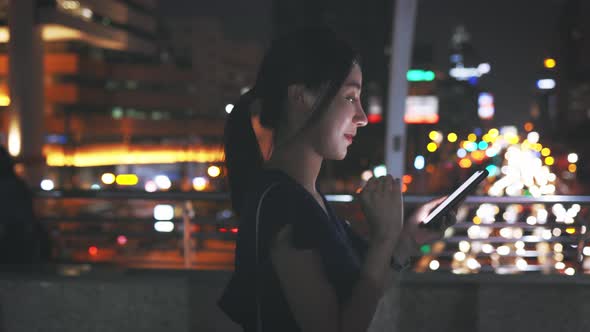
pixel 300 96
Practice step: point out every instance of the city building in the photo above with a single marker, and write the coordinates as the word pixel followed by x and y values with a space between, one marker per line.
pixel 570 114
pixel 125 93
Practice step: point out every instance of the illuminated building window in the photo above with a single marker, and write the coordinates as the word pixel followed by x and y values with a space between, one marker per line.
pixel 117 112
pixel 157 115
pixel 131 85
pixel 111 85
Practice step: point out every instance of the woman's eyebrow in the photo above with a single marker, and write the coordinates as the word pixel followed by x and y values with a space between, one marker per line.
pixel 353 84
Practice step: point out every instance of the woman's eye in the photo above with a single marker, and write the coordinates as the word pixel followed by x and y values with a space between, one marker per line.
pixel 351 99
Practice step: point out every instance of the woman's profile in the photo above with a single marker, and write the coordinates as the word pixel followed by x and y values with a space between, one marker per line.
pixel 298 266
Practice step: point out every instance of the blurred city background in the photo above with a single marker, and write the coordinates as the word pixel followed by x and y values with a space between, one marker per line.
pixel 114 113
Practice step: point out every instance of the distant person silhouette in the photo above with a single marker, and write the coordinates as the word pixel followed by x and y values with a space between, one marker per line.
pixel 22 238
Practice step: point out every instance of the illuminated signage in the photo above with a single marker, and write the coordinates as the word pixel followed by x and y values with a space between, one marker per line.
pixel 421 109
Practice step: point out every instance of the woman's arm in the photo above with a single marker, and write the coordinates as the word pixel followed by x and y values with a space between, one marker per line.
pixel 313 300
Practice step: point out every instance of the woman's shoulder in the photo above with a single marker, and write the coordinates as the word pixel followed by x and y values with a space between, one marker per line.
pixel 269 188
pixel 275 183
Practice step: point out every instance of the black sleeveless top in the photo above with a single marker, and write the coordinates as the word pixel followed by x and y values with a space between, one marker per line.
pixel 340 248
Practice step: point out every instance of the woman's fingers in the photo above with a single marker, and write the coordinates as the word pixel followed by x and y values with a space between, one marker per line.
pixel 389 183
pixel 367 188
pixel 385 183
pixel 432 204
pixel 448 220
pixel 423 211
pixel 371 184
pixel 452 217
pixel 382 184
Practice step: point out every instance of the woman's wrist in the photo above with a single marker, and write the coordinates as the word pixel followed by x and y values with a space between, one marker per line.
pixel 383 244
pixel 383 240
pixel 377 261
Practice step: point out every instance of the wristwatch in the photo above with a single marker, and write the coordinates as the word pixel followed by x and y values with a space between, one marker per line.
pixel 400 267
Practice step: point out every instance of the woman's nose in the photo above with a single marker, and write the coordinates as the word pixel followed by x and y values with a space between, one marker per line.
pixel 360 117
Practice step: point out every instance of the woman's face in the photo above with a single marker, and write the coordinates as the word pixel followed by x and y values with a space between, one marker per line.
pixel 334 130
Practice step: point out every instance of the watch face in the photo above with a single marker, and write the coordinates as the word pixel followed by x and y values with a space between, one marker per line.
pixel 399 267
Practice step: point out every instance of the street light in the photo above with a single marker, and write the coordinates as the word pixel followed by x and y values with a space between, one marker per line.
pixel 229 108
pixel 546 84
pixel 549 63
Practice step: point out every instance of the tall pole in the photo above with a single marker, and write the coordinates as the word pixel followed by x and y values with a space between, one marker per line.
pixel 395 130
pixel 25 82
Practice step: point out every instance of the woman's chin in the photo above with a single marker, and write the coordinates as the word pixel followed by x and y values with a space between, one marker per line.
pixel 337 153
pixel 339 156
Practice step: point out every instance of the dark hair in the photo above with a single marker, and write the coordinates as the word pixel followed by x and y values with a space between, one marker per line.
pixel 313 57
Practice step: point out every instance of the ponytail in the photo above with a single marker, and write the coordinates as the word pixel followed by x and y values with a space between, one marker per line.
pixel 243 157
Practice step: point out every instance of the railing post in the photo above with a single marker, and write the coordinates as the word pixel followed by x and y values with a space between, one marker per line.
pixel 583 237
pixel 187 214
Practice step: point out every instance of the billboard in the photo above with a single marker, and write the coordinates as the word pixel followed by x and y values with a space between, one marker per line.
pixel 421 110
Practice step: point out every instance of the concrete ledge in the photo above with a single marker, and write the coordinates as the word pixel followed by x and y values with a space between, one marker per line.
pixel 487 302
pixel 104 299
pixel 118 301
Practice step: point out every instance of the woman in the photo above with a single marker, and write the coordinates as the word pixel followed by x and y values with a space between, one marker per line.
pixel 299 267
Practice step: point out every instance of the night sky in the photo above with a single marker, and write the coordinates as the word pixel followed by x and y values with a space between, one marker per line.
pixel 513 36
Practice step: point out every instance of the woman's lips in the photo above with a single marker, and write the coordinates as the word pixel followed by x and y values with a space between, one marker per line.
pixel 349 138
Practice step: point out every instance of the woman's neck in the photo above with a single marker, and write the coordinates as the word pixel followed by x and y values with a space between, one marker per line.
pixel 299 162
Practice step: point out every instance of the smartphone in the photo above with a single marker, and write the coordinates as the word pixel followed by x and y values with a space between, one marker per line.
pixel 453 199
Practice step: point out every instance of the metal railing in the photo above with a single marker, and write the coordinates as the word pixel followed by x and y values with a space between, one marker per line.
pixel 82 219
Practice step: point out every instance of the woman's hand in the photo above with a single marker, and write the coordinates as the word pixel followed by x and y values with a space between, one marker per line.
pixel 381 202
pixel 413 236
